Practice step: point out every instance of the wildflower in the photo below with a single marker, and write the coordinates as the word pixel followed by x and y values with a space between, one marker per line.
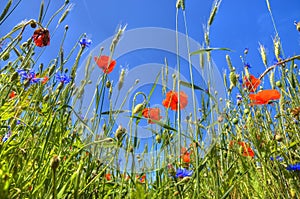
pixel 185 155
pixel 251 83
pixel 64 79
pixel 247 151
pixel 28 76
pixel 85 42
pixel 45 80
pixel 278 158
pixel 247 65
pixel 6 136
pixel 12 94
pixel 151 114
pixel 181 173
pixel 264 97
pixel 105 63
pixel 171 100
pixel 141 178
pixel 108 176
pixel 293 167
pixel 41 37
pixel 239 99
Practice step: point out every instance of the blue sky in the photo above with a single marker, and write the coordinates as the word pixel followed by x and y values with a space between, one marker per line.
pixel 238 24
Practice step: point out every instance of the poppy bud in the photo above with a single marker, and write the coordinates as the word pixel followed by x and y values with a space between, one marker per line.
pixel 120 132
pixel 33 24
pixel 54 162
pixel 226 125
pixel 278 84
pixel 158 138
pixel 108 84
pixel 278 138
pixel 5 56
pixel 297 25
pixel 235 121
pixel 246 111
pixel 138 108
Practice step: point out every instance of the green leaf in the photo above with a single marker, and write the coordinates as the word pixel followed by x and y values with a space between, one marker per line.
pixel 208 50
pixel 114 112
pixel 190 85
pixel 154 86
pixel 157 122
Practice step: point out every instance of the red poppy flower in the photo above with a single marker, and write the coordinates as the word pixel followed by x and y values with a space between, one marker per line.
pixel 152 114
pixel 45 80
pixel 251 83
pixel 185 155
pixel 171 100
pixel 247 151
pixel 108 176
pixel 264 97
pixel 12 94
pixel 41 37
pixel 141 178
pixel 105 63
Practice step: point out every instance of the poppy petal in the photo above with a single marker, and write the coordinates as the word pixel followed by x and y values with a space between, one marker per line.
pixel 105 63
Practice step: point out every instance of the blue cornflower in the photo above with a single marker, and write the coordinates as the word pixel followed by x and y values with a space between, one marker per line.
pixel 293 167
pixel 85 42
pixel 247 65
pixel 239 99
pixel 6 136
pixel 278 158
pixel 29 76
pixel 181 173
pixel 64 79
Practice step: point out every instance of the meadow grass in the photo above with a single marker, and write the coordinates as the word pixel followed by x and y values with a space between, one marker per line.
pixel 50 149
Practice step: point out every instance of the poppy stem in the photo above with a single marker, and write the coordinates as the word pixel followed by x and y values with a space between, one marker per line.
pixel 278 63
